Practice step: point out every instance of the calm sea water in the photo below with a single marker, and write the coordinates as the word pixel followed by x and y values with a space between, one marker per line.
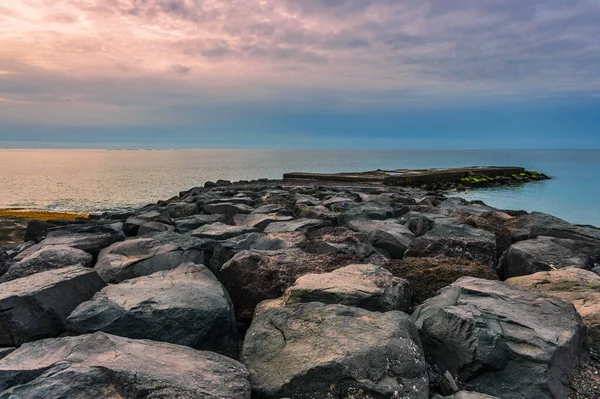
pixel 98 180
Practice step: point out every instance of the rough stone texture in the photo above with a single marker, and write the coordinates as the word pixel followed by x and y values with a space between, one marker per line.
pixel 495 223
pixel 251 277
pixel 456 241
pixel 370 211
pixel 143 256
pixel 186 306
pixel 227 208
pixel 5 262
pixel 365 286
pixel 502 341
pixel 221 231
pixel 261 221
pixel 317 212
pixel 466 395
pixel 304 225
pixel 427 276
pixel 313 350
pixel 36 306
pixel 132 224
pixel 182 209
pixel 187 224
pixel 580 287
pixel 47 258
pixel 537 224
pixel 389 235
pixel 543 254
pixel 106 366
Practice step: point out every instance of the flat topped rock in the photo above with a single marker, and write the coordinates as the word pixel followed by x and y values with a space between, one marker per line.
pixel 303 225
pixel 221 231
pixel 107 366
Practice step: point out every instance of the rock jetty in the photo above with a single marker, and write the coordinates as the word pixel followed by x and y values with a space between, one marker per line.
pixel 303 289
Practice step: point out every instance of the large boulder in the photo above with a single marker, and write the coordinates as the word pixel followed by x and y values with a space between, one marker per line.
pixel 36 306
pixel 456 241
pixel 317 212
pixel 182 209
pixel 367 210
pixel 365 286
pixel 185 306
pixel 189 223
pixel 250 277
pixel 427 276
pixel 580 287
pixel 260 221
pixel 502 341
pixel 47 258
pixel 543 254
pixel 389 235
pixel 143 256
pixel 313 350
pixel 5 262
pixel 537 224
pixel 227 208
pixel 106 366
pixel 303 225
pixel 150 218
pixel 221 231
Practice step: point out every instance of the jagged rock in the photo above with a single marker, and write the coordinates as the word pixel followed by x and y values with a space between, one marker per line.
pixel 269 208
pixel 389 235
pixel 133 223
pixel 5 262
pixel 370 211
pixel 251 277
pixel 107 366
pixel 150 228
pixel 338 199
pixel 456 241
pixel 261 221
pixel 502 341
pixel 495 223
pixel 182 209
pixel 580 287
pixel 5 352
pixel 47 258
pixel 221 231
pixel 466 395
pixel 537 224
pixel 313 350
pixel 421 223
pixel 427 276
pixel 460 207
pixel 306 200
pixel 364 286
pixel 227 208
pixel 37 229
pixel 317 212
pixel 36 306
pixel 304 225
pixel 186 306
pixel 143 256
pixel 543 254
pixel 187 224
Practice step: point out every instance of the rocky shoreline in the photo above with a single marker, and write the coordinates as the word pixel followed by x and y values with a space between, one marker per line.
pixel 303 289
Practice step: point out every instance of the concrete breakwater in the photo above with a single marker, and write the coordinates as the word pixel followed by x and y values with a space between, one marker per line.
pixel 303 288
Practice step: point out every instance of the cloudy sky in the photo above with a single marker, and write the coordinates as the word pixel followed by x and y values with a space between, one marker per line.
pixel 304 73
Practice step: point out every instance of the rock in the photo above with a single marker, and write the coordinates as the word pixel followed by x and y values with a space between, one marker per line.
pixel 502 341
pixel 459 207
pixel 427 276
pixel 364 286
pixel 223 183
pixel 106 366
pixel 261 221
pixel 448 385
pixel 232 200
pixel 344 201
pixel 369 210
pixel 251 277
pixel 456 241
pixel 421 223
pixel 389 235
pixel 266 209
pixel 143 256
pixel 185 306
pixel 543 254
pixel 537 224
pixel 36 306
pixel 466 395
pixel 37 229
pixel 182 209
pixel 306 200
pixel 596 270
pixel 133 223
pixel 494 223
pixel 187 224
pixel 227 208
pixel 221 231
pixel 313 350
pixel 47 258
pixel 318 212
pixel 150 228
pixel 5 262
pixel 303 225
pixel 5 352
pixel 580 287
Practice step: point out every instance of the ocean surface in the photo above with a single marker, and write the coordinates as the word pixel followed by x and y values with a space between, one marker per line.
pixel 99 180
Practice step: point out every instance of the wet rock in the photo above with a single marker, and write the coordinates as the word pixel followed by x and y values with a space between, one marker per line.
pixel 47 258
pixel 502 341
pixel 186 306
pixel 322 351
pixel 389 235
pixel 107 366
pixel 221 231
pixel 227 208
pixel 143 256
pixel 579 287
pixel 364 286
pixel 456 241
pixel 427 276
pixel 303 225
pixel 36 306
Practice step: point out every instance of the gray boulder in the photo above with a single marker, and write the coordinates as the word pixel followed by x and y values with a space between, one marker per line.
pixel 221 231
pixel 313 350
pixel 364 286
pixel 47 258
pixel 543 254
pixel 186 306
pixel 133 223
pixel 456 241
pixel 182 209
pixel 5 262
pixel 368 210
pixel 389 235
pixel 466 395
pixel 189 223
pixel 317 212
pixel 143 256
pixel 36 306
pixel 537 224
pixel 106 366
pixel 261 221
pixel 227 208
pixel 502 341
pixel 303 225
pixel 151 228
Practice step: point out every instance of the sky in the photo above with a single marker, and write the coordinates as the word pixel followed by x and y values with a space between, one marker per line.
pixel 300 74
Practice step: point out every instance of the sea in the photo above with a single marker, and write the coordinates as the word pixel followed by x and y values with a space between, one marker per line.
pixel 97 180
